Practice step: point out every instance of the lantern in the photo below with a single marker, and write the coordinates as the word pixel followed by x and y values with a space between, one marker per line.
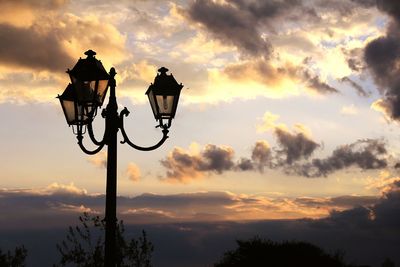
pixel 76 112
pixel 164 95
pixel 90 80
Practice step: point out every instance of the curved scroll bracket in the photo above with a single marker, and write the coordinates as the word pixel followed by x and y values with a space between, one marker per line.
pixel 84 149
pixel 92 137
pixel 125 112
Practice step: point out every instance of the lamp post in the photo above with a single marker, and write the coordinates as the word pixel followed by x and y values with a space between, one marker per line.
pixel 80 101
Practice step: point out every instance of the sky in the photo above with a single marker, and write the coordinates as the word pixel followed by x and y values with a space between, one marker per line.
pixel 289 111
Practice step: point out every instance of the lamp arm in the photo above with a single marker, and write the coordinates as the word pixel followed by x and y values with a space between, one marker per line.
pixel 92 137
pixel 125 112
pixel 84 149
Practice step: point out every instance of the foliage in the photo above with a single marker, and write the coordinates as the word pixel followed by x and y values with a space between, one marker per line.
pixel 259 252
pixel 17 259
pixel 84 245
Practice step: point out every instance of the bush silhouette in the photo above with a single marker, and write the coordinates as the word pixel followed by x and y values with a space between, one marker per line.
pixel 84 246
pixel 16 259
pixel 259 252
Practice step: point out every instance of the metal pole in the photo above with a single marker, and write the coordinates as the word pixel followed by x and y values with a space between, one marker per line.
pixel 111 189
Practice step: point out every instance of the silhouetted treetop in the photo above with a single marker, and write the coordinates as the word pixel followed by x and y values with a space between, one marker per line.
pixel 266 253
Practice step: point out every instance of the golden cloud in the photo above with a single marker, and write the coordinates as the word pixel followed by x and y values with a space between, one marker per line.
pixel 133 172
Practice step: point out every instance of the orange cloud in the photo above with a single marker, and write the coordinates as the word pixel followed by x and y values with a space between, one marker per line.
pixel 133 172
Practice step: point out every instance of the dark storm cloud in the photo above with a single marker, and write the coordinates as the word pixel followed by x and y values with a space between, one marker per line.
pixel 179 201
pixel 367 233
pixel 382 57
pixel 28 47
pixel 365 154
pixel 359 89
pixel 340 201
pixel 294 146
pixel 59 206
pixel 391 7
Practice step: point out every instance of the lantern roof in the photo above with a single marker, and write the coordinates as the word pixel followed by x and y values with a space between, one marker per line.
pixel 89 69
pixel 69 93
pixel 164 83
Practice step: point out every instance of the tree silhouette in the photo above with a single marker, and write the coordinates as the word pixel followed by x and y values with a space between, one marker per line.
pixel 260 252
pixel 388 263
pixel 16 259
pixel 84 245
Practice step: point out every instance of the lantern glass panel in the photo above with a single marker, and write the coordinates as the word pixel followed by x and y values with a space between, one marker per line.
pixel 69 110
pixel 165 104
pixel 153 103
pixel 102 90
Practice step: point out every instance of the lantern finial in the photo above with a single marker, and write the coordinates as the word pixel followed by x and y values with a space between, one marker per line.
pixel 90 53
pixel 163 70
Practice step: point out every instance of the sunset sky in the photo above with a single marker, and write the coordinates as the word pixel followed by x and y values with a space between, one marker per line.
pixel 289 110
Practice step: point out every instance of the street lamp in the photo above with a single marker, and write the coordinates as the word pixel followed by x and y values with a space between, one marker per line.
pixel 80 101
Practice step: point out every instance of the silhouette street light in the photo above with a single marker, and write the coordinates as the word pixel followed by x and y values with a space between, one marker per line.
pixel 80 101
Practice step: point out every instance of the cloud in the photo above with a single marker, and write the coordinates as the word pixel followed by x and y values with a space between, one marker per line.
pixel 360 91
pixel 365 227
pixel 382 56
pixel 99 159
pixel 182 166
pixel 52 189
pixel 23 13
pixel 35 55
pixel 383 183
pixel 17 43
pixel 275 75
pixel 390 7
pixel 261 23
pixel 366 154
pixel 260 70
pixel 133 172
pixel 268 122
pixel 381 215
pixel 292 154
pixel 354 60
pixel 51 206
pixel 292 146
pixel 315 83
pixel 261 154
pixel 61 207
pixel 230 24
pixel 245 164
